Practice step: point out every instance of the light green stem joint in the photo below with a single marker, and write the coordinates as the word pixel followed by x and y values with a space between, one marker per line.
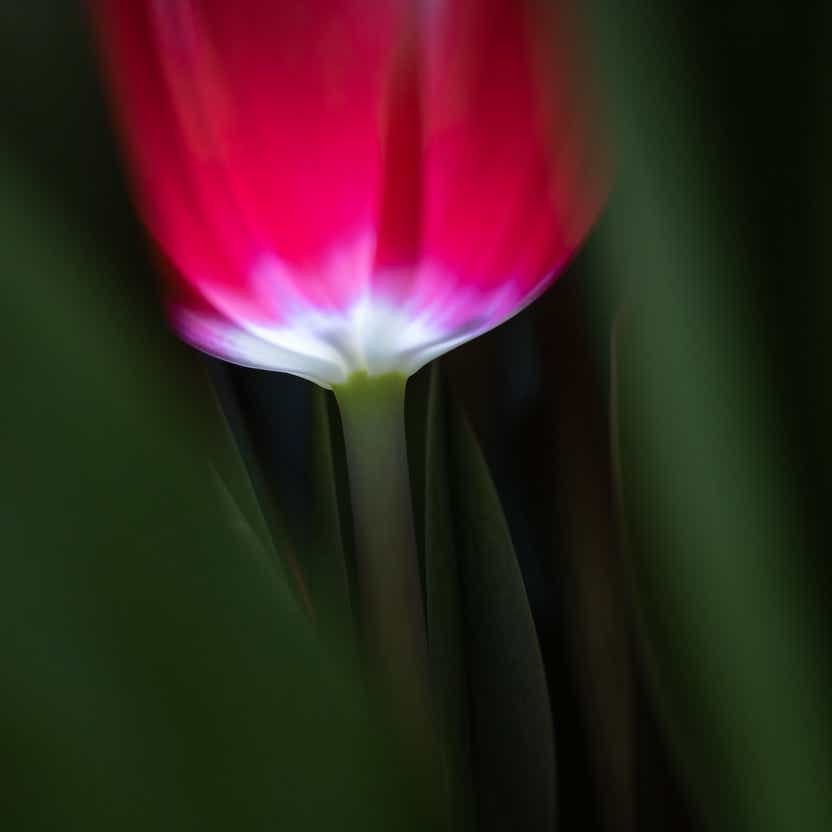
pixel 393 620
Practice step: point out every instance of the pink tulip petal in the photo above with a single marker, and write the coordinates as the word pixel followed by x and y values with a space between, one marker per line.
pixel 339 188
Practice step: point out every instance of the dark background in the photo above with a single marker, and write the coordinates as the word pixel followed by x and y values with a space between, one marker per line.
pixel 730 104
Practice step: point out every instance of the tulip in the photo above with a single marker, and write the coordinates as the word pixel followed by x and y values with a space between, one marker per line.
pixel 345 190
pixel 342 186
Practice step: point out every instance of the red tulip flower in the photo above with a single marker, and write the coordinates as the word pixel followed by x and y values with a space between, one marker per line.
pixel 344 185
pixel 346 189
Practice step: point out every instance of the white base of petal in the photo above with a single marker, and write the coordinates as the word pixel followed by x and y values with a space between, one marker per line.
pixel 326 346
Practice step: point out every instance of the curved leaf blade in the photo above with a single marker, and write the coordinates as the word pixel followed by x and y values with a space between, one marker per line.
pixel 514 754
pixel 444 614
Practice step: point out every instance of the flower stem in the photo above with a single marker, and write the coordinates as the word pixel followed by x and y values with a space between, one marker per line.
pixel 392 610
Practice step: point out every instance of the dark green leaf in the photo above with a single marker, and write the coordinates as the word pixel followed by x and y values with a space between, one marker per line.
pixel 445 623
pixel 514 760
pixel 738 655
pixel 238 469
pixel 324 561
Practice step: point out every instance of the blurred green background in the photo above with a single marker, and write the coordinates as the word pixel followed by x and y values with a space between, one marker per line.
pixel 657 426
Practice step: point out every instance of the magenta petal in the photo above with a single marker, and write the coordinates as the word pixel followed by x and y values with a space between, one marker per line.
pixel 341 190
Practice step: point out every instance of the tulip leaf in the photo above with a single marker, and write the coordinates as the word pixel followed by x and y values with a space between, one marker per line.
pixel 324 560
pixel 444 613
pixel 237 467
pixel 511 720
pixel 719 540
pixel 282 428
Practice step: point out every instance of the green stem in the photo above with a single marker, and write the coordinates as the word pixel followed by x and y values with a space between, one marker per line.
pixel 393 621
